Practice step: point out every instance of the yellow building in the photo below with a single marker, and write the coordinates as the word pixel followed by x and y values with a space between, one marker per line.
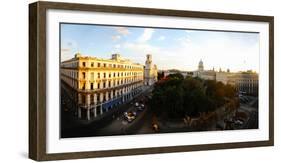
pixel 98 85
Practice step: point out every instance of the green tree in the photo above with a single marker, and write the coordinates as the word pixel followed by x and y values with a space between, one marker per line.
pixel 176 76
pixel 176 97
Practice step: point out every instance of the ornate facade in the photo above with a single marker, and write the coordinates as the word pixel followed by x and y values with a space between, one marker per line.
pixel 246 82
pixel 150 71
pixel 98 85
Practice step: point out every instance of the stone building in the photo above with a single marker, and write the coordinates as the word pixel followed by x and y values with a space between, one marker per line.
pixel 245 82
pixel 150 71
pixel 97 85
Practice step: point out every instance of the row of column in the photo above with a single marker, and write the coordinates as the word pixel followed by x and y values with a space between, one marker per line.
pixel 113 83
pixel 89 109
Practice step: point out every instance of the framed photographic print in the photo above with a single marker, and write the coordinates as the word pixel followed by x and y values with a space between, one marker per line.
pixel 111 81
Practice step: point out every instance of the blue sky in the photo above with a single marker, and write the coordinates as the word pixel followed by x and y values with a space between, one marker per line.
pixel 170 48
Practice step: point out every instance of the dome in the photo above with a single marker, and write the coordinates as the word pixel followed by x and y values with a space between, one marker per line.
pixel 77 55
pixel 200 66
pixel 201 62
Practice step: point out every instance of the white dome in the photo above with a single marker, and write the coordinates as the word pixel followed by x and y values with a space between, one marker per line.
pixel 200 66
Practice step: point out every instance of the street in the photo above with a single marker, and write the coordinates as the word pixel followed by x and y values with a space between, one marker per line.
pixel 112 123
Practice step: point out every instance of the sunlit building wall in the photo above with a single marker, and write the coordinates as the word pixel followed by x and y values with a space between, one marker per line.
pixel 99 85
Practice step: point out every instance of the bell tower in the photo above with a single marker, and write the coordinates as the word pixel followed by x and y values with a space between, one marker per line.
pixel 150 71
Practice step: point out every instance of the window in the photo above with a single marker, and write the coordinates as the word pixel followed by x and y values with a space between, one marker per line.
pixel 84 64
pixel 104 75
pixel 92 98
pixel 98 85
pixel 92 86
pixel 104 65
pixel 92 64
pixel 104 85
pixel 98 64
pixel 98 97
pixel 98 75
pixel 83 75
pixel 109 75
pixel 83 99
pixel 109 83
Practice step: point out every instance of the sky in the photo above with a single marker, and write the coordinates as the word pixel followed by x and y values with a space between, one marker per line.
pixel 170 48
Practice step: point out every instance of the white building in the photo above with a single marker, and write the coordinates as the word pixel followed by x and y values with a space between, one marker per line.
pixel 246 82
pixel 150 71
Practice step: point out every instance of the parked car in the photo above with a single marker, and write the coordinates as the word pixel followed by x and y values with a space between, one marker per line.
pixel 130 116
pixel 139 108
pixel 155 127
pixel 238 122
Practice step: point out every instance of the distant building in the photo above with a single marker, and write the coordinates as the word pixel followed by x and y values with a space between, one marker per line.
pixel 150 71
pixel 204 74
pixel 98 85
pixel 223 76
pixel 200 66
pixel 246 82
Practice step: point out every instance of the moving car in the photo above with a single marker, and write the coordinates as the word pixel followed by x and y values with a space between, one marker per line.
pixel 130 116
pixel 136 104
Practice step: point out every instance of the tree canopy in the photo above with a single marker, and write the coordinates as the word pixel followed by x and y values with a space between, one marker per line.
pixel 176 96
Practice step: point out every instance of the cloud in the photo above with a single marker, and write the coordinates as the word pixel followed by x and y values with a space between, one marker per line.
pixel 69 44
pixel 146 35
pixel 184 41
pixel 161 38
pixel 215 50
pixel 66 54
pixel 68 48
pixel 117 46
pixel 65 50
pixel 116 37
pixel 141 48
pixel 122 30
